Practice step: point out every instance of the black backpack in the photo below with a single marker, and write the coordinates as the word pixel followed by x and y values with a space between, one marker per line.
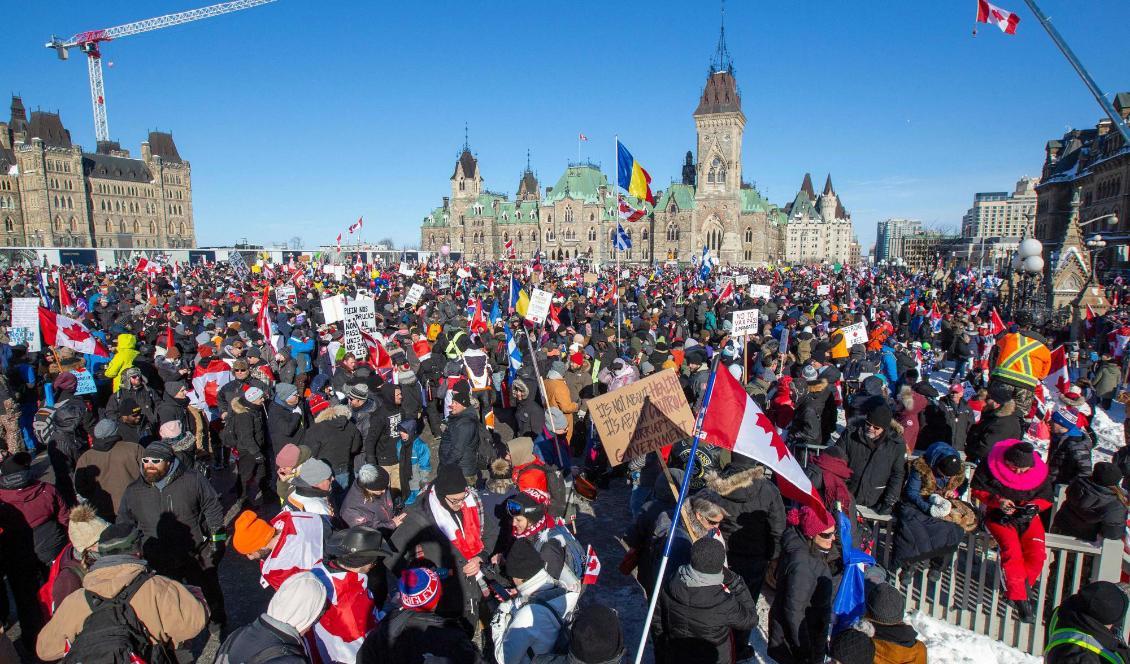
pixel 113 634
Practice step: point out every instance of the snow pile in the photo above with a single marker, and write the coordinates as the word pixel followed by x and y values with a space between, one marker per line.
pixel 1109 433
pixel 949 644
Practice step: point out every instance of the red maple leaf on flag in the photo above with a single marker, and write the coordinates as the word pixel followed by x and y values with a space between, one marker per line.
pixel 765 425
pixel 76 333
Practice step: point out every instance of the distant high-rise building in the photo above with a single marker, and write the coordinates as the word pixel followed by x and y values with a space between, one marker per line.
pixel 1001 214
pixel 888 240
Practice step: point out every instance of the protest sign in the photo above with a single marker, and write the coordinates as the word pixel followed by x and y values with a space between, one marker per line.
pixel 333 308
pixel 285 296
pixel 591 278
pixel 239 266
pixel 359 314
pixel 624 274
pixel 823 289
pixel 759 291
pixel 744 322
pixel 414 295
pixel 405 269
pixel 444 282
pixel 85 382
pixel 539 306
pixel 25 323
pixel 741 280
pixel 462 274
pixel 855 334
pixel 642 417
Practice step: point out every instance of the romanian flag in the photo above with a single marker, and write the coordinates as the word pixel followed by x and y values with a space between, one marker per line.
pixel 631 176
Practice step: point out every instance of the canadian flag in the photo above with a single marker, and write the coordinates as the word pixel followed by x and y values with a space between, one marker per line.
pixel 554 317
pixel 582 137
pixel 1058 378
pixel 59 330
pixel 148 266
pixel 263 320
pixel 509 252
pixel 478 320
pixel 629 213
pixel 379 359
pixel 998 324
pixel 65 300
pixel 299 548
pixel 733 421
pixel 1089 321
pixel 350 614
pixel 356 227
pixel 727 293
pixel 1002 18
pixel 207 379
pixel 592 567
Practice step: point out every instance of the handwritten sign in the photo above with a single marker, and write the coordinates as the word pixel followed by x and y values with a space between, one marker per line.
pixel 855 334
pixel 333 308
pixel 741 280
pixel 539 306
pixel 759 291
pixel 642 417
pixel 85 382
pixel 591 278
pixel 823 289
pixel 285 296
pixel 405 269
pixel 359 314
pixel 414 295
pixel 744 322
pixel 444 282
pixel 25 323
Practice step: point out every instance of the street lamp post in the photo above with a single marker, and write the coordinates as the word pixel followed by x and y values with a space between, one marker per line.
pixel 1029 262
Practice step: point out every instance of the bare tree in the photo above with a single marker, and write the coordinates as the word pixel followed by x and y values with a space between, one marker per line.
pixel 296 243
pixel 388 242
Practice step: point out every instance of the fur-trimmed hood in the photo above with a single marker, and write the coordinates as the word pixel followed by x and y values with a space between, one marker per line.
pixel 724 486
pixel 332 412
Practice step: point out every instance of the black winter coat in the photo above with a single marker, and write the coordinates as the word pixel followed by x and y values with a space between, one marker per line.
pixel 801 613
pixel 380 441
pixel 947 422
pixel 1090 511
pixel 177 517
pixel 264 643
pixel 285 426
pixel 1069 457
pixel 334 439
pixel 460 442
pixel 411 637
pixel 245 429
pixel 755 512
pixel 805 427
pixel 995 426
pixel 697 623
pixel 530 416
pixel 878 467
pixel 1072 615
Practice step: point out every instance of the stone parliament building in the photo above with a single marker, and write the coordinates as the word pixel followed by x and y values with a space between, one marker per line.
pixel 53 194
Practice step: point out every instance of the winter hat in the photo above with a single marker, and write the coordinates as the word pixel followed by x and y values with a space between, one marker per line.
pixel 174 386
pixel 949 465
pixel 240 365
pixel 131 372
pixel 461 397
pixel 1106 474
pixel 106 429
pixel 358 391
pixel 287 456
pixel 170 429
pixel 880 416
pixel 450 480
pixel 420 589
pixel 556 419
pixel 15 471
pixel 957 388
pixel 182 442
pixel 1061 418
pixel 577 358
pixel 999 393
pixel 252 394
pixel 596 636
pixel 314 471
pixel 318 403
pixel 852 646
pixel 372 478
pixel 556 370
pixel 810 522
pixel 811 375
pixel 128 406
pixel 65 381
pixel 1102 600
pixel 521 450
pixel 885 604
pixel 284 391
pixel 84 527
pixel 251 533
pixel 525 505
pixel 1020 455
pixel 119 538
pixel 159 450
pixel 422 349
pixel 299 601
pixel 708 555
pixel 523 561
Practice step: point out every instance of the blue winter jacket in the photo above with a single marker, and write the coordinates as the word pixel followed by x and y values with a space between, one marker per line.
pixel 913 490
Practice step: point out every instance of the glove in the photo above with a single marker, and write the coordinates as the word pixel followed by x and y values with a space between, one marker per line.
pixel 940 508
pixel 218 547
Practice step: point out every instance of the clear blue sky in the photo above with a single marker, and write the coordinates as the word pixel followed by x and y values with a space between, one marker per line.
pixel 300 116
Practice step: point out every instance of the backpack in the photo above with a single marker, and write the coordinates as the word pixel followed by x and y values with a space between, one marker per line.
pixel 556 486
pixel 575 555
pixel 485 453
pixel 43 426
pixel 113 634
pixel 561 645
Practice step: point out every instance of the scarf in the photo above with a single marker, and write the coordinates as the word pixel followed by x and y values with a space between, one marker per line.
pixel 696 579
pixel 835 471
pixel 464 533
pixel 533 529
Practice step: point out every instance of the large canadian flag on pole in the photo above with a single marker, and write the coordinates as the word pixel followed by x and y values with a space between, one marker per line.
pixel 1002 18
pixel 59 330
pixel 734 421
pixel 1058 378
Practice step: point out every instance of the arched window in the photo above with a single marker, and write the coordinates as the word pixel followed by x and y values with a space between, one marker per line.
pixel 109 227
pixel 644 235
pixel 519 236
pixel 672 233
pixel 73 225
pixel 717 173
pixel 505 237
pixel 58 223
pixel 568 215
pixel 8 225
pixel 136 227
pixel 749 234
pixel 121 225
pixel 592 234
pixel 182 228
pixel 714 239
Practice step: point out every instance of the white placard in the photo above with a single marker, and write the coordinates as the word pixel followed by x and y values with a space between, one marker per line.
pixel 359 313
pixel 327 269
pixel 25 323
pixel 333 308
pixel 339 272
pixel 285 296
pixel 759 291
pixel 462 274
pixel 406 270
pixel 414 295
pixel 855 334
pixel 624 274
pixel 443 282
pixel 744 322
pixel 538 310
pixel 823 289
pixel 741 280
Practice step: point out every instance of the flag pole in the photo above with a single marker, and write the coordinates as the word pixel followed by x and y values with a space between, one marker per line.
pixel 615 202
pixel 687 472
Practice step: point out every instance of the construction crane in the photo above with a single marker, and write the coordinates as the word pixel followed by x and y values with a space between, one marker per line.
pixel 90 43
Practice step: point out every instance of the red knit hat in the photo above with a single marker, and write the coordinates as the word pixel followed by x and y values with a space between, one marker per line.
pixel 318 403
pixel 577 358
pixel 811 522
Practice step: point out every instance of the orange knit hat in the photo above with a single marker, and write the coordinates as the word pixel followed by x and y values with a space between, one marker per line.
pixel 251 533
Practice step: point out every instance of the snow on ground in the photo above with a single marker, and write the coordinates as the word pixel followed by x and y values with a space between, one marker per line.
pixel 1109 432
pixel 949 644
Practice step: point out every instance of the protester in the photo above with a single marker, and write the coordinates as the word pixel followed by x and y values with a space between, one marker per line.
pixel 1086 627
pixel 801 613
pixel 276 636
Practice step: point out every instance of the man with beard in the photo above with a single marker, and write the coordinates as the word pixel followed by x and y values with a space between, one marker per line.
pixel 180 517
pixel 135 389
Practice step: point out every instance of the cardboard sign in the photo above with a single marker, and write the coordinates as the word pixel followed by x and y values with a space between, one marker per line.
pixel 855 334
pixel 239 266
pixel 538 310
pixel 823 289
pixel 414 295
pixel 333 308
pixel 745 322
pixel 359 314
pixel 85 382
pixel 741 280
pixel 405 269
pixel 443 282
pixel 25 323
pixel 642 417
pixel 285 296
pixel 591 278
pixel 759 291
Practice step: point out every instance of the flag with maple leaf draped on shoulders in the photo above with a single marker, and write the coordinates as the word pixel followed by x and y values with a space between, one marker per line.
pixel 60 330
pixel 734 421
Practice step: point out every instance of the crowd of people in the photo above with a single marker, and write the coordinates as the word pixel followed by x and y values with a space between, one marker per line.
pixel 408 480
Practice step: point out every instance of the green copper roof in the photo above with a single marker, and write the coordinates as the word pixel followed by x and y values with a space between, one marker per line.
pixel 753 201
pixel 581 182
pixel 435 218
pixel 484 205
pixel 683 195
pixel 803 206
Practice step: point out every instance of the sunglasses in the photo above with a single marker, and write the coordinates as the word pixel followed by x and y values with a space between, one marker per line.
pixel 240 370
pixel 827 536
pixel 151 461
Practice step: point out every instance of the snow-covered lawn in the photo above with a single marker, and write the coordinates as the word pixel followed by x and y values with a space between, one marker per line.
pixel 949 644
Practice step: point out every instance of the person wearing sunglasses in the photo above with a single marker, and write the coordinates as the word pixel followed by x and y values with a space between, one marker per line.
pixel 801 614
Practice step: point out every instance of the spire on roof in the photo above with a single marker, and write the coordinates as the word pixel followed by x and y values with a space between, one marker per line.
pixel 722 61
pixel 828 186
pixel 806 186
pixel 527 160
pixel 466 138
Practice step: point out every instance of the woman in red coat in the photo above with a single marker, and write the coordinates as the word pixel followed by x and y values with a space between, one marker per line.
pixel 1013 485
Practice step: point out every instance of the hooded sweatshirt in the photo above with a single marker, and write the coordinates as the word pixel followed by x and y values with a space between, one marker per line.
pixel 123 358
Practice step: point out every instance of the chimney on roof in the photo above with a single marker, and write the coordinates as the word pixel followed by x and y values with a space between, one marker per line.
pixel 146 152
pixel 446 202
